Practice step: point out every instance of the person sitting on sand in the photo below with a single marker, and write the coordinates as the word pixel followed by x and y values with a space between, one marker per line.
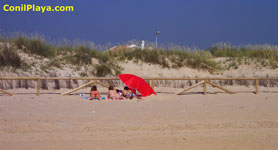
pixel 113 94
pixel 127 93
pixel 119 91
pixel 94 94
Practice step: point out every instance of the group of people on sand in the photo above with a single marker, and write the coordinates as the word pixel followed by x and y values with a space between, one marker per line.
pixel 113 93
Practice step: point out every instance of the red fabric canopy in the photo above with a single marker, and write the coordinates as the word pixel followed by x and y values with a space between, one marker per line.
pixel 137 83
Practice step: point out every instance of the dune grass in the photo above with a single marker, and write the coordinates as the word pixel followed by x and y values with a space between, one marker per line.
pixel 10 57
pixel 35 45
pixel 108 62
pixel 170 58
pixel 2 39
pixel 265 55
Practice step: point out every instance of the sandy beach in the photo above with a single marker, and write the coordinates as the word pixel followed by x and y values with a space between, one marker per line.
pixel 207 72
pixel 167 121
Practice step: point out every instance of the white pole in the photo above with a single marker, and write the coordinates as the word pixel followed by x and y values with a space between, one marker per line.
pixel 143 45
pixel 157 33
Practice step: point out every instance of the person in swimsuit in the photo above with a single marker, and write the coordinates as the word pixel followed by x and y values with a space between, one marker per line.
pixel 94 94
pixel 113 94
pixel 127 93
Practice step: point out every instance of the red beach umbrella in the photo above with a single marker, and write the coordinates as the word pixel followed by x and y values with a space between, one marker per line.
pixel 137 83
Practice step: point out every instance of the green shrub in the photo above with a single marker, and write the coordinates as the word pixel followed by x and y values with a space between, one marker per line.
pixel 104 57
pixel 54 63
pixel 9 57
pixel 102 70
pixel 20 41
pixel 81 55
pixel 261 54
pixel 170 58
pixel 199 62
pixel 34 45
pixel 226 52
pixel 64 50
pixel 2 39
pixel 40 47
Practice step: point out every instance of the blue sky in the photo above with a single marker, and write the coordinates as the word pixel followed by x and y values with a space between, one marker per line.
pixel 198 23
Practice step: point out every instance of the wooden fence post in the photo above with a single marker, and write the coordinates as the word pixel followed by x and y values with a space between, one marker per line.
pixel 153 84
pixel 80 87
pixel 204 81
pixel 221 88
pixel 97 82
pixel 10 94
pixel 257 86
pixel 191 87
pixel 38 86
pixel 205 87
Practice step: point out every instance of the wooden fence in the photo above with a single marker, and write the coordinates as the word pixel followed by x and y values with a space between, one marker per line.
pixel 94 80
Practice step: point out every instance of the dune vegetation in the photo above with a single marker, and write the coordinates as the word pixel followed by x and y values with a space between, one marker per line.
pixel 107 62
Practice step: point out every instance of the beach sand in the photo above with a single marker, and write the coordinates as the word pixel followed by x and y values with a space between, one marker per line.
pixel 215 121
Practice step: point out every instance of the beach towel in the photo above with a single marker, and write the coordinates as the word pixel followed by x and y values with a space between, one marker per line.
pixel 85 97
